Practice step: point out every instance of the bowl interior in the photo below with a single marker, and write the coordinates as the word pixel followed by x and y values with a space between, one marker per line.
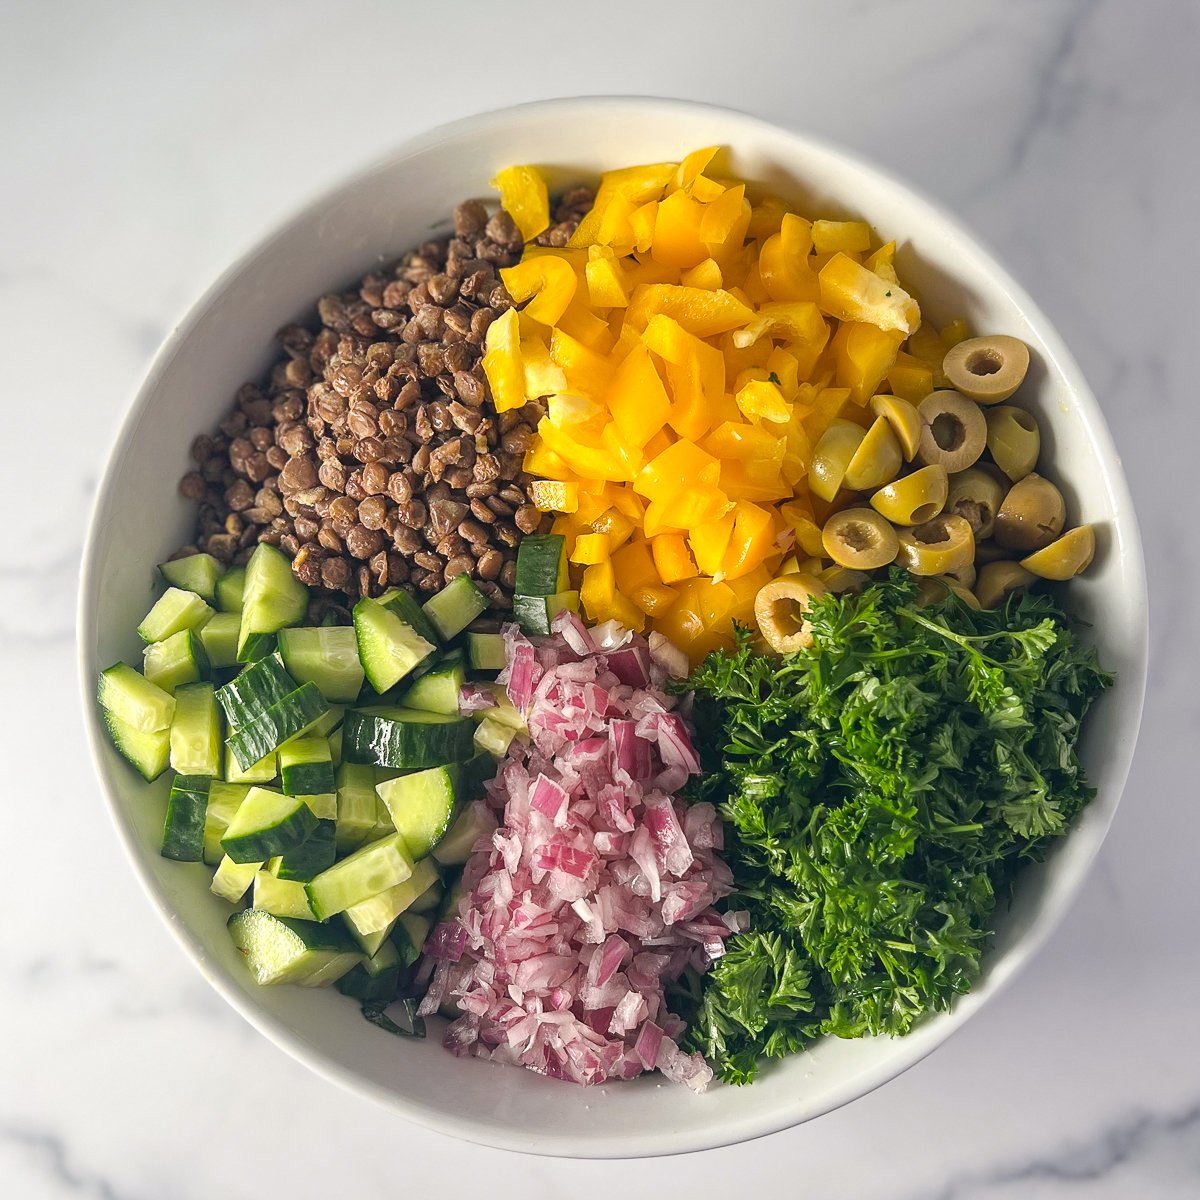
pixel 227 339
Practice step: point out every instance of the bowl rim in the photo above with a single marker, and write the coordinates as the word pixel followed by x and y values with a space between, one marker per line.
pixel 633 1144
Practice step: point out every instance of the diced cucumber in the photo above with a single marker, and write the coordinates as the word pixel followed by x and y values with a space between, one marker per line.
pixel 285 950
pixel 378 913
pixel 409 936
pixel 503 711
pixel 148 752
pixel 370 942
pixel 383 819
pixel 262 771
pixel 485 651
pixel 224 799
pixel 230 588
pixel 405 737
pixel 406 607
pixel 542 565
pixel 137 703
pixel 389 648
pixel 437 690
pixel 273 597
pixel 292 715
pixel 474 822
pixel 365 873
pixel 455 606
pixel 266 824
pixel 256 646
pixel 195 573
pixel 174 611
pixel 326 656
pixel 421 806
pixel 281 897
pixel 378 978
pixel 428 900
pixel 535 613
pixel 231 880
pixel 473 775
pixel 356 800
pixel 177 659
pixel 196 731
pixel 325 725
pixel 494 736
pixel 183 830
pixel 316 854
pixel 219 634
pixel 255 690
pixel 306 767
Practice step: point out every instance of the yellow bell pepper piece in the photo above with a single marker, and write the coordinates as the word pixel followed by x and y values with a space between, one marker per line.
pixel 502 363
pixel 957 331
pixel 653 599
pixel 638 184
pixel 799 321
pixel 685 512
pixel 827 405
pixel 541 460
pixel 786 371
pixel 615 229
pixel 587 371
pixel 672 559
pixel 882 262
pixel 709 542
pixel 910 378
pixel 724 223
pixel 705 275
pixel 605 279
pixel 637 398
pixel 677 231
pixel 850 292
pixel 542 377
pixel 699 311
pixel 863 355
pixel 741 442
pixel 783 267
pixel 597 589
pixel 751 543
pixel 853 237
pixel 550 495
pixel 591 548
pixel 761 400
pixel 569 411
pixel 586 327
pixel 677 469
pixel 616 526
pixel 642 223
pixel 798 516
pixel 587 461
pixel 634 567
pixel 524 196
pixel 627 502
pixel 766 217
pixel 693 165
pixel 707 190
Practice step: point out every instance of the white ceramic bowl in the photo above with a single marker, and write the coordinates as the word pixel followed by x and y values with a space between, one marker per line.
pixel 227 338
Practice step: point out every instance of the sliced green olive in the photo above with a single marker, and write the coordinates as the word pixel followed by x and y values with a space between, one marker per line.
pixel 913 499
pixel 935 589
pixel 964 575
pixel 976 494
pixel 859 538
pixel 1014 439
pixel 953 431
pixel 831 456
pixel 904 420
pixel 987 551
pixel 843 579
pixel 876 461
pixel 988 369
pixel 1066 557
pixel 781 609
pixel 1031 516
pixel 937 547
pixel 998 580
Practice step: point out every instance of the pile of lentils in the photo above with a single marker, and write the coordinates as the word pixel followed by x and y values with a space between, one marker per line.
pixel 373 456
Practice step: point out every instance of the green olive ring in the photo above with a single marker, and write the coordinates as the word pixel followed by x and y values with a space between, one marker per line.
pixel 998 580
pixel 953 431
pixel 838 579
pixel 915 498
pixel 1065 557
pixel 976 494
pixel 1032 515
pixel 860 539
pixel 988 369
pixel 1013 439
pixel 876 461
pixel 831 456
pixel 904 420
pixel 933 589
pixel 780 608
pixel 939 546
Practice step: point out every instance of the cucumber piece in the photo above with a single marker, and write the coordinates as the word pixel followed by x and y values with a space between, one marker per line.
pixel 306 767
pixel 263 771
pixel 318 853
pixel 326 656
pixel 230 588
pixel 535 613
pixel 281 897
pixel 232 880
pixel 378 913
pixel 376 867
pixel 371 942
pixel 428 900
pixel 133 700
pixel 196 731
pixel 408 609
pixel 224 799
pixel 194 573
pixel 455 606
pixel 219 635
pixel 494 736
pixel 148 752
pixel 174 611
pixel 542 565
pixel 285 950
pixel 292 715
pixel 409 936
pixel 187 807
pixel 405 738
pixel 485 651
pixel 474 822
pixel 335 744
pixel 504 712
pixel 256 646
pixel 356 800
pixel 273 597
pixel 255 690
pixel 389 649
pixel 421 806
pixel 437 690
pixel 325 725
pixel 473 775
pixel 378 978
pixel 176 660
pixel 266 824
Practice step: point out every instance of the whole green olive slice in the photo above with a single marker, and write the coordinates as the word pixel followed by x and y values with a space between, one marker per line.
pixel 914 498
pixel 876 461
pixel 988 369
pixel 859 538
pixel 1065 557
pixel 953 431
pixel 781 610
pixel 904 419
pixel 941 545
pixel 1031 515
pixel 831 456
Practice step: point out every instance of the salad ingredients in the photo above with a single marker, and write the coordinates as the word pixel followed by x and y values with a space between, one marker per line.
pixel 781 609
pixel 595 890
pixel 885 786
pixel 988 369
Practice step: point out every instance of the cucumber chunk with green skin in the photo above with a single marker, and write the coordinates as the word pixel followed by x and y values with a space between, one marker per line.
pixel 388 648
pixel 306 767
pixel 409 936
pixel 369 943
pixel 149 753
pixel 316 854
pixel 326 656
pixel 263 771
pixel 273 597
pixel 194 573
pixel 285 950
pixel 294 714
pixel 231 880
pixel 473 775
pixel 257 646
pixel 281 897
pixel 374 868
pixel 485 651
pixel 224 799
pixel 542 565
pixel 356 800
pixel 176 660
pixel 476 821
pixel 504 712
pixel 230 588
pixel 323 727
pixel 187 807
pixel 421 806
pixel 428 900
pixel 494 737
pixel 437 690
pixel 455 606
pixel 266 824
pixel 219 634
pixel 134 700
pixel 335 744
pixel 196 731
pixel 174 611
pixel 535 613
pixel 408 609
pixel 377 977
pixel 405 738
pixel 379 912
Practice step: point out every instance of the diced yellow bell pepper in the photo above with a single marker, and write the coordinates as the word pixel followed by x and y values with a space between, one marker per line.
pixel 693 165
pixel 591 548
pixel 637 398
pixel 567 525
pixel 627 502
pixel 863 355
pixel 642 269
pixel 882 262
pixel 957 331
pixel 760 482
pixel 549 495
pixel 589 462
pixel 524 196
pixel 587 328
pixel 783 262
pixel 799 518
pixel 577 414
pixel 540 460
pixel 597 588
pixel 752 541
pixel 761 400
pixel 605 279
pixel 634 567
pixel 800 321
pixel 827 405
pixel 502 363
pixel 926 344
pixel 677 231
pixel 684 512
pixel 616 525
pixel 653 599
pixel 642 222
pixel 615 229
pixel 638 184
pixel 594 499
pixel 741 442
pixel 542 377
pixel 850 292
pixel 766 218
pixel 724 224
pixel 743 591
pixel 699 311
pixel 786 371
pixel 707 190
pixel 852 237
pixel 705 275
pixel 587 372
pixel 678 468
pixel 672 559
pixel 910 378
pixel 708 543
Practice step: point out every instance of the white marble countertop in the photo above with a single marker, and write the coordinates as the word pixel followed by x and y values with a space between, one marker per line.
pixel 143 144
